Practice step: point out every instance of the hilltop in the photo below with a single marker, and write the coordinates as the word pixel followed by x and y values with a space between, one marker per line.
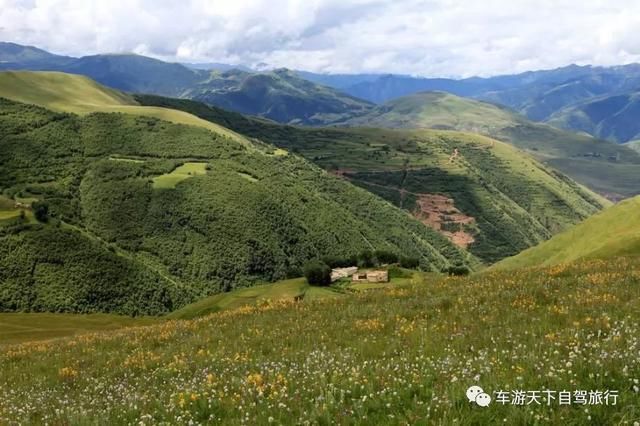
pixel 608 168
pixel 279 95
pixel 80 95
pixel 145 215
pixel 611 233
pixel 489 197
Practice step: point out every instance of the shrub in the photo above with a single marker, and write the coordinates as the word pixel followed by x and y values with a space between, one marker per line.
pixel 41 211
pixel 386 257
pixel 409 262
pixel 458 270
pixel 366 259
pixel 396 272
pixel 317 273
pixel 340 262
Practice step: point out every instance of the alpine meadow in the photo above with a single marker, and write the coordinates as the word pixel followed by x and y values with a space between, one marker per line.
pixel 293 213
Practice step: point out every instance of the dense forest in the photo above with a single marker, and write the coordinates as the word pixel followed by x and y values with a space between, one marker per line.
pixel 515 201
pixel 125 232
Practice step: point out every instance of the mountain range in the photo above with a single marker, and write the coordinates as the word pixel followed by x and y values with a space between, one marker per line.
pixel 599 101
pixel 539 95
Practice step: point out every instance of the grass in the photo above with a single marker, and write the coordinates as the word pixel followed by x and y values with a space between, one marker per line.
pixel 402 355
pixel 437 110
pixel 26 327
pixel 613 169
pixel 80 95
pixel 613 232
pixel 185 171
pixel 286 290
pixel 9 213
pixel 30 327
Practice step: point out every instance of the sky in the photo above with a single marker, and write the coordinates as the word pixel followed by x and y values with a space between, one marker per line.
pixel 435 38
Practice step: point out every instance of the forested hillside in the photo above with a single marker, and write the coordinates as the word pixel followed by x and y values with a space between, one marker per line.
pixel 139 216
pixel 483 194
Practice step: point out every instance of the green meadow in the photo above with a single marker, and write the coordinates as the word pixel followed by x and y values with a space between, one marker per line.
pixel 399 355
pixel 183 172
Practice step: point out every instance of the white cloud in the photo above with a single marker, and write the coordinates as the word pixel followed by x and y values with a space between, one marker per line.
pixel 423 37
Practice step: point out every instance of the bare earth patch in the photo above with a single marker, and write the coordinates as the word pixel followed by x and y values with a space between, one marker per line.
pixel 439 212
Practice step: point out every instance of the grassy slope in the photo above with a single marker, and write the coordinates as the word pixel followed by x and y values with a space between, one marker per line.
pixel 280 95
pixel 80 95
pixel 397 356
pixel 21 327
pixel 212 232
pixel 568 152
pixel 515 200
pixel 31 327
pixel 613 232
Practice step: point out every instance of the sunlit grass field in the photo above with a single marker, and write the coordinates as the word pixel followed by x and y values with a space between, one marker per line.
pixel 400 355
pixel 185 171
pixel 80 95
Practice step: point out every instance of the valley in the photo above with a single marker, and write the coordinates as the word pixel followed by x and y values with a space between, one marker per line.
pixel 184 241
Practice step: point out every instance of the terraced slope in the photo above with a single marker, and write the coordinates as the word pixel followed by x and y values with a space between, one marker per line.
pixel 608 168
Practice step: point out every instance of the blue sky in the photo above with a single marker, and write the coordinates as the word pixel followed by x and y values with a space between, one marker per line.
pixel 420 37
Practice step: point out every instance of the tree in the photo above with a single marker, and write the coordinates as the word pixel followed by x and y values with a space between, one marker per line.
pixel 386 257
pixel 366 259
pixel 409 262
pixel 458 270
pixel 317 273
pixel 41 211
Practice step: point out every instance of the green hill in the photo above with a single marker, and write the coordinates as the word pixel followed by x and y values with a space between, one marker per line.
pixel 145 216
pixel 608 168
pixel 280 95
pixel 394 356
pixel 80 95
pixel 611 117
pixel 490 197
pixel 614 232
pixel 428 110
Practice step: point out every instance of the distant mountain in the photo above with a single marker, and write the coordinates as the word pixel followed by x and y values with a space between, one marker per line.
pixel 215 66
pixel 338 81
pixel 382 88
pixel 540 99
pixel 279 95
pixel 549 95
pixel 584 158
pixel 611 233
pixel 16 55
pixel 135 73
pixel 615 118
